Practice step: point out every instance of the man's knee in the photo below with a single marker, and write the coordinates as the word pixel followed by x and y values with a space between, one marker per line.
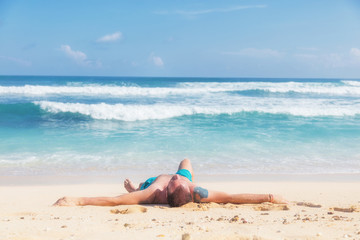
pixel 186 164
pixel 186 160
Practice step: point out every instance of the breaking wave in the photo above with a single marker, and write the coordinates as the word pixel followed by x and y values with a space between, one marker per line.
pixel 345 87
pixel 296 107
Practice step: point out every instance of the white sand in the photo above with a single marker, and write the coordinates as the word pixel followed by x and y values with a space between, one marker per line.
pixel 26 213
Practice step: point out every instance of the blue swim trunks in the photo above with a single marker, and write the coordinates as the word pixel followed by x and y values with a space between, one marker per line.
pixel 182 172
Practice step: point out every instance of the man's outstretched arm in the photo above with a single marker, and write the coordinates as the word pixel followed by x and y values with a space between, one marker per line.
pixel 137 197
pixel 203 195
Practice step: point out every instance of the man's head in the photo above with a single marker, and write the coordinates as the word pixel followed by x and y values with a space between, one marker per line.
pixel 178 192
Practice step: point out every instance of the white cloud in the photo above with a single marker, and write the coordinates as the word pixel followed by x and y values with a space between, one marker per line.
pixel 213 10
pixel 18 61
pixel 308 48
pixel 328 61
pixel 305 56
pixel 331 60
pixel 79 57
pixel 354 56
pixel 355 52
pixel 257 53
pixel 156 60
pixel 335 60
pixel 110 37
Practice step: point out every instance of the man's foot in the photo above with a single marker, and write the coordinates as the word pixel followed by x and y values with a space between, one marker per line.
pixel 129 185
pixel 67 201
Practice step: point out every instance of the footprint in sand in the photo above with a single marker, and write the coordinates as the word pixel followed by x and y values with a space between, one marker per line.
pixel 271 207
pixel 200 206
pixel 307 204
pixel 195 206
pixel 349 209
pixel 135 209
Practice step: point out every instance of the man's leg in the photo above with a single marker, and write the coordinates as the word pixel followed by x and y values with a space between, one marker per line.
pixel 186 164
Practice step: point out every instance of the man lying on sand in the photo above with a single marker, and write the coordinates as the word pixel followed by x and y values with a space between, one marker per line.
pixel 173 189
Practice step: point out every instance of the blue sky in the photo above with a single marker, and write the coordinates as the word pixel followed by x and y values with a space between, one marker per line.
pixel 244 38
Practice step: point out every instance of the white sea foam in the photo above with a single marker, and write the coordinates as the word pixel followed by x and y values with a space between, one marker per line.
pixel 351 83
pixel 103 90
pixel 133 112
pixel 348 88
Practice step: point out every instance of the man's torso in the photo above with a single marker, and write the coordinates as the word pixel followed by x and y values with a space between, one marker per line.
pixel 159 186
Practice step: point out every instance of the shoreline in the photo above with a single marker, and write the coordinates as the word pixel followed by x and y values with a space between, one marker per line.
pixel 103 179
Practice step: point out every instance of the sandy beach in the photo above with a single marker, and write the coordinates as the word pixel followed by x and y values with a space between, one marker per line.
pixel 244 97
pixel 316 210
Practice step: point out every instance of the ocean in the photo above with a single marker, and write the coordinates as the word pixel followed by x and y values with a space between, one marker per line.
pixel 73 126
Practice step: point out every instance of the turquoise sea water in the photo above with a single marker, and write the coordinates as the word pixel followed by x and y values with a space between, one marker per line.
pixel 116 125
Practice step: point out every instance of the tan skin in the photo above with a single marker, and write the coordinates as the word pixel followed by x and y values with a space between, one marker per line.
pixel 157 193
